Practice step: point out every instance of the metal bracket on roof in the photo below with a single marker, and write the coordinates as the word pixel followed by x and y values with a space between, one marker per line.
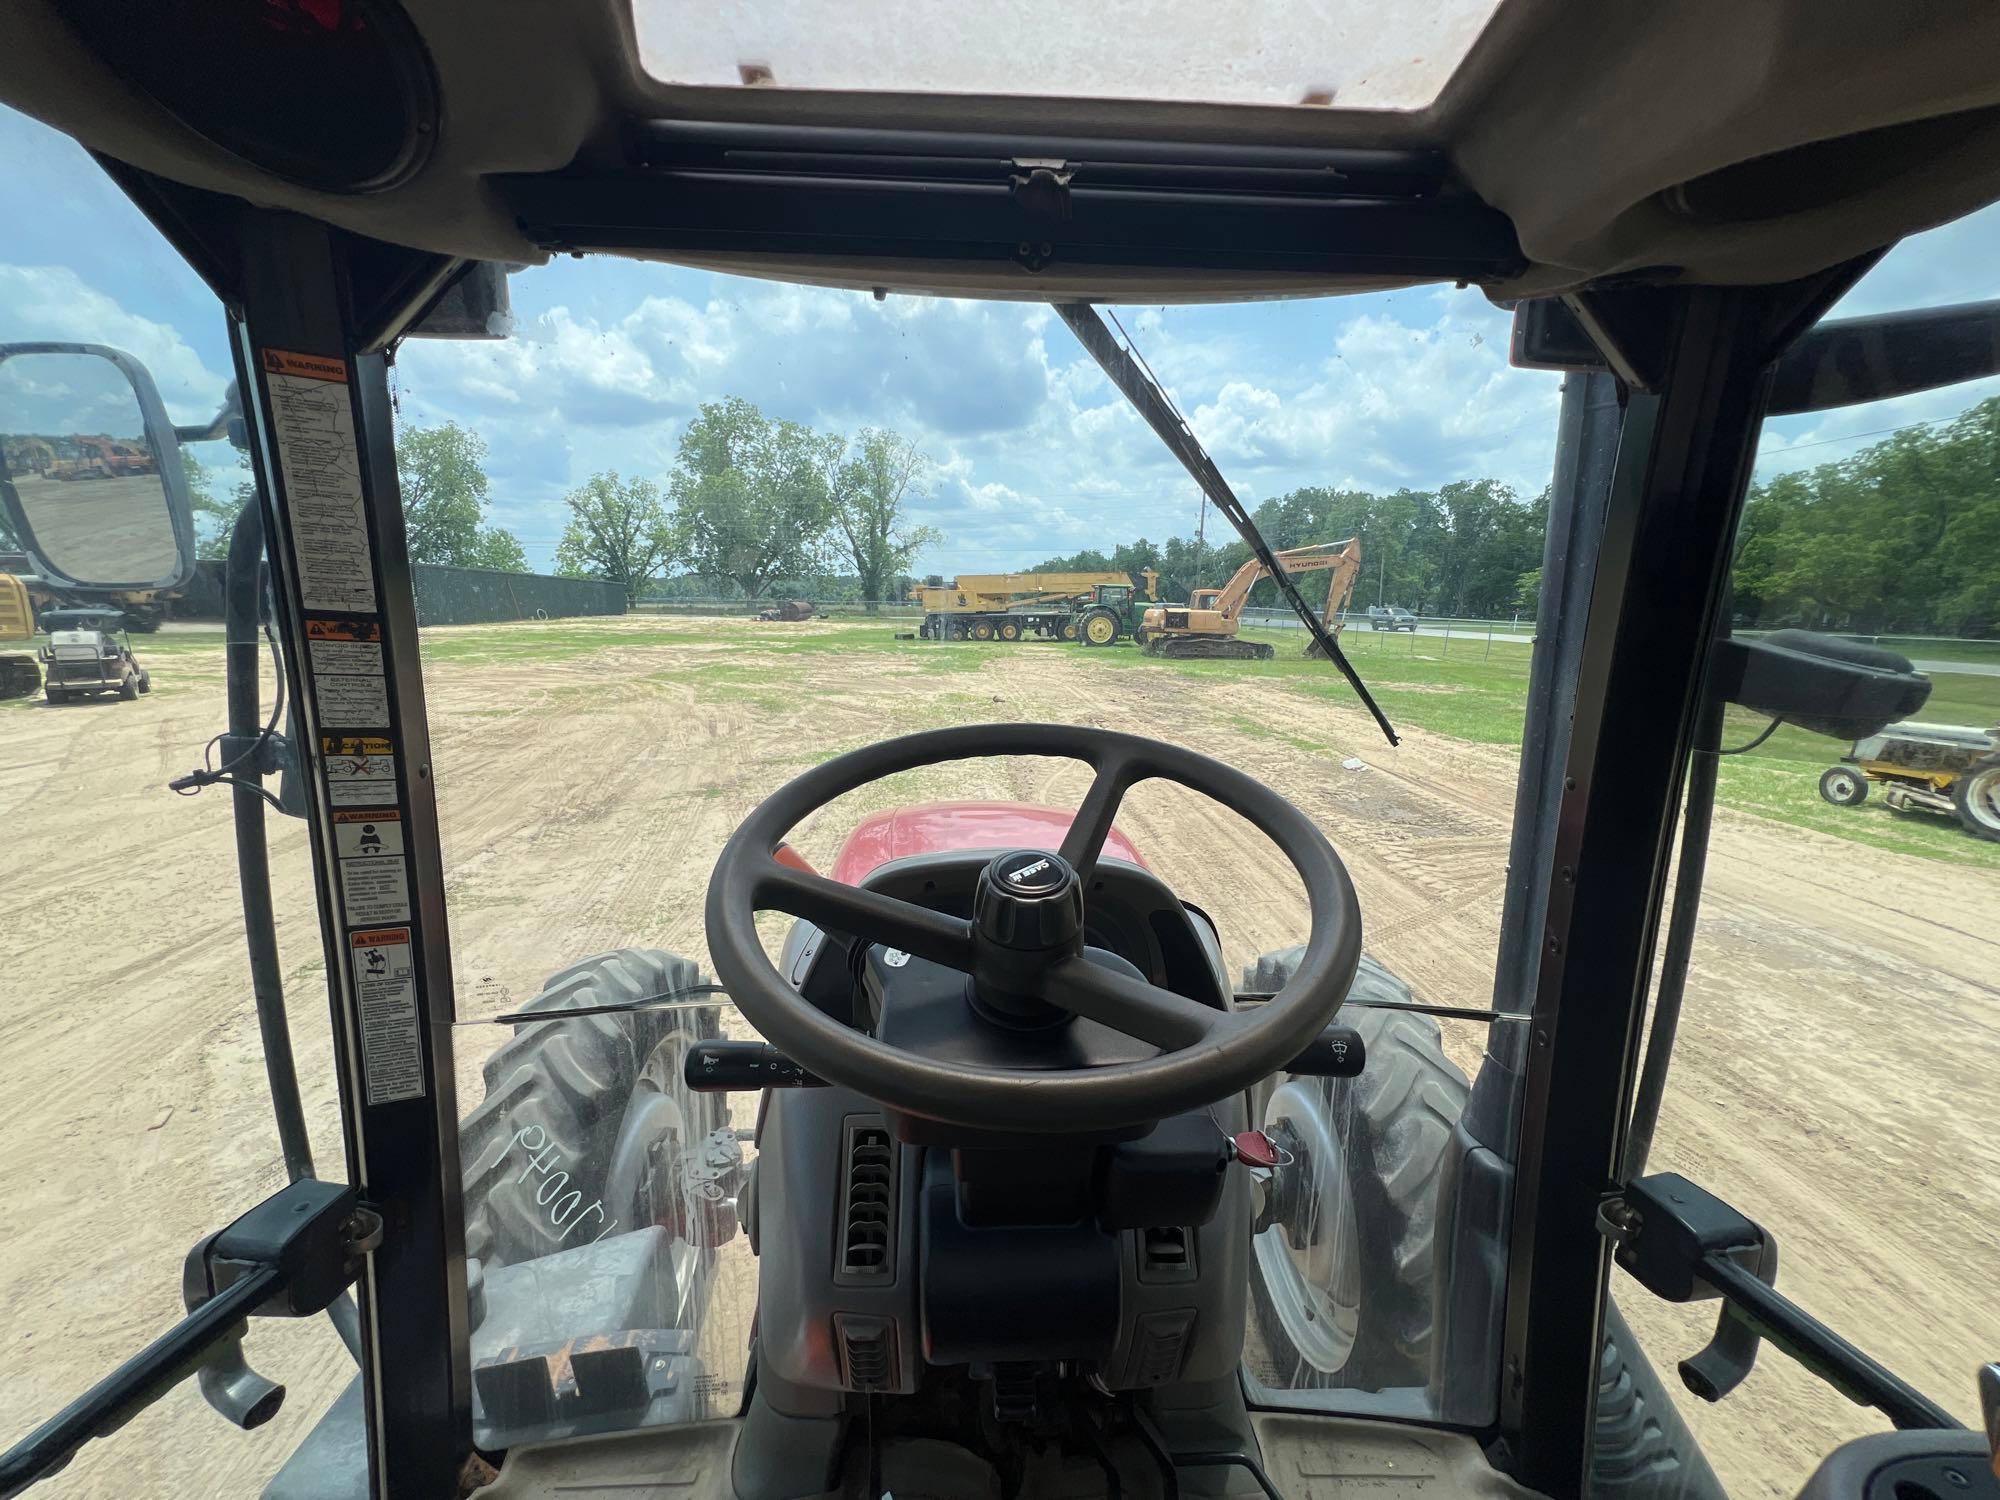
pixel 1041 187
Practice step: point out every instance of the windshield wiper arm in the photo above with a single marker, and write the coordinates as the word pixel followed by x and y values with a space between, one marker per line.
pixel 1151 402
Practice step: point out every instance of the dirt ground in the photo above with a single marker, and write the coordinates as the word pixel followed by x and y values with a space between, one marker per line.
pixel 1841 1028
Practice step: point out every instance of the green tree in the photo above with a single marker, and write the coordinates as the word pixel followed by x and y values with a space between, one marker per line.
pixel 755 499
pixel 214 518
pixel 618 530
pixel 442 471
pixel 868 510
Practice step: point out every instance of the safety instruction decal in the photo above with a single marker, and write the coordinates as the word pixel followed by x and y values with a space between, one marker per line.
pixel 348 684
pixel 374 881
pixel 385 984
pixel 360 769
pixel 312 415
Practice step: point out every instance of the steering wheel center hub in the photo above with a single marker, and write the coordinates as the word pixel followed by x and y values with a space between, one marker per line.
pixel 1027 915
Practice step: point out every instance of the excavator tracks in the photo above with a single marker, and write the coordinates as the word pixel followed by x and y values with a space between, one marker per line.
pixel 1207 648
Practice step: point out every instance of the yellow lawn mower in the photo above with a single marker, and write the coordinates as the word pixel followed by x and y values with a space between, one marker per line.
pixel 1940 768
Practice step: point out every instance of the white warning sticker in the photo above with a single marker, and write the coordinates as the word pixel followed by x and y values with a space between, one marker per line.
pixel 313 418
pixel 375 890
pixel 385 984
pixel 351 702
pixel 374 881
pixel 353 658
pixel 376 834
pixel 360 769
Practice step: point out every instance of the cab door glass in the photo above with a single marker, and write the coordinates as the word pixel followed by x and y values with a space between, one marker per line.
pixel 132 1065
pixel 1840 1014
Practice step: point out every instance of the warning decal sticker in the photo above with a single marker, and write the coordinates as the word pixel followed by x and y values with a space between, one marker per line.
pixel 374 881
pixel 385 984
pixel 313 419
pixel 343 630
pixel 348 684
pixel 360 769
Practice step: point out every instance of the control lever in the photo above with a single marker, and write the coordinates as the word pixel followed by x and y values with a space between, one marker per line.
pixel 728 1067
pixel 1337 1052
pixel 1683 1244
pixel 288 1257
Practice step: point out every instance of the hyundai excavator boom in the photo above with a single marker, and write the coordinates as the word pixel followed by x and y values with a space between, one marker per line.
pixel 1208 626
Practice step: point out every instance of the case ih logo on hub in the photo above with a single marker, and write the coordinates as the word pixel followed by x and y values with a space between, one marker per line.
pixel 1028 872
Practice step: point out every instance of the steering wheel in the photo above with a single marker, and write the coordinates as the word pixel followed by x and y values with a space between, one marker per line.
pixel 1023 947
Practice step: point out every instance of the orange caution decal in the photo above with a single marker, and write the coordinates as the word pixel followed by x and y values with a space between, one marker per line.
pixel 311 366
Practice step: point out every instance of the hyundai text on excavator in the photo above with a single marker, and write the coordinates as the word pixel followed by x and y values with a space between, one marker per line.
pixel 1207 625
pixel 1042 1193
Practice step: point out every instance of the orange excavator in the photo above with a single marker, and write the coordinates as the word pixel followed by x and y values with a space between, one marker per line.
pixel 1207 626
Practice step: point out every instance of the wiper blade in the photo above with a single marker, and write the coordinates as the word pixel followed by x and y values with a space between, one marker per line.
pixel 1152 402
pixel 674 999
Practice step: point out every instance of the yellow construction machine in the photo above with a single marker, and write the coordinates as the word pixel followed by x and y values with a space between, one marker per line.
pixel 1207 626
pixel 1096 608
pixel 20 673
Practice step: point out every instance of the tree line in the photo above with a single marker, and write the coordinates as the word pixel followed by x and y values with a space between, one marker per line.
pixel 752 504
pixel 1901 538
pixel 1471 548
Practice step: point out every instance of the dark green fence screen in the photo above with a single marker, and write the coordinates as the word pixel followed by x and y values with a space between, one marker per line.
pixel 450 596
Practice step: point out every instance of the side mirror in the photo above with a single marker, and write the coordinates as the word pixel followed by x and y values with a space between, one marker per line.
pixel 91 482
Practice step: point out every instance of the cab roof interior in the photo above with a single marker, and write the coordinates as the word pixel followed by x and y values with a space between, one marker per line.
pixel 1706 141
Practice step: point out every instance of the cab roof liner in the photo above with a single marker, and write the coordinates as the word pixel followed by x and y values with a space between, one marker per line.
pixel 1707 142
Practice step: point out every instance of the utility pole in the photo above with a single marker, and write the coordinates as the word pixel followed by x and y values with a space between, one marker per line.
pixel 1381 570
pixel 1200 535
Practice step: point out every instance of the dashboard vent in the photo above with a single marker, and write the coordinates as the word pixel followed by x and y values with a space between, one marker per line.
pixel 866 1351
pixel 868 1204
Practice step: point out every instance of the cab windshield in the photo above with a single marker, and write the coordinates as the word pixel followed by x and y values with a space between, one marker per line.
pixel 985 530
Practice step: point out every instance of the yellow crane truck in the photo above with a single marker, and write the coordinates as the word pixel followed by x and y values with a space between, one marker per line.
pixel 1095 608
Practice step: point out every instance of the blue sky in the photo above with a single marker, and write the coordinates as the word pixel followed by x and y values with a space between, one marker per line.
pixel 1033 452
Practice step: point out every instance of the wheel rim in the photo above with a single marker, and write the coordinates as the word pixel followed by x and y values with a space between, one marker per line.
pixel 982 631
pixel 1099 631
pixel 1982 799
pixel 1314 1287
pixel 1844 789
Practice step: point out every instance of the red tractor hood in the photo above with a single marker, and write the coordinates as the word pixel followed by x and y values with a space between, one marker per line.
pixel 941 827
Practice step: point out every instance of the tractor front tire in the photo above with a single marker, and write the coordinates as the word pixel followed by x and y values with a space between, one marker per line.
pixel 1976 795
pixel 1370 1326
pixel 1099 627
pixel 1843 786
pixel 580 1081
